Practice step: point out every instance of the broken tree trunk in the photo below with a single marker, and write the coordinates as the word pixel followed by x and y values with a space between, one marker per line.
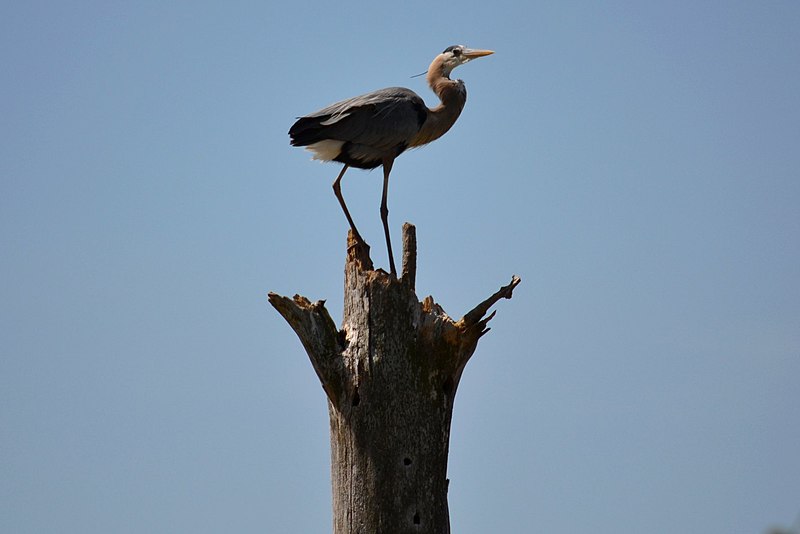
pixel 390 375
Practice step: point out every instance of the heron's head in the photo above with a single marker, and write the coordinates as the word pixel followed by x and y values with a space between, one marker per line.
pixel 456 55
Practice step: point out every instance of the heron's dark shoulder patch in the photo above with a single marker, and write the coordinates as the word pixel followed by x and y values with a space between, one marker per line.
pixel 422 112
pixel 415 102
pixel 402 100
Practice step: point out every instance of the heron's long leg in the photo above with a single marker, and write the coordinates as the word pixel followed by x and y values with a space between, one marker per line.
pixel 387 168
pixel 337 190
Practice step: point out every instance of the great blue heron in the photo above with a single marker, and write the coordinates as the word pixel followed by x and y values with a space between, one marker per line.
pixel 373 129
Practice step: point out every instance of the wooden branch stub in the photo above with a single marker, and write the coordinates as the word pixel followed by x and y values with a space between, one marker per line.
pixel 474 316
pixel 472 326
pixel 317 332
pixel 409 268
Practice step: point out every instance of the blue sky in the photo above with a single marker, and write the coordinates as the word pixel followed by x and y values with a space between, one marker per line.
pixel 636 163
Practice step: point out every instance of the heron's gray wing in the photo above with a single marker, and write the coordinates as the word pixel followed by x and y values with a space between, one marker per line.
pixel 382 119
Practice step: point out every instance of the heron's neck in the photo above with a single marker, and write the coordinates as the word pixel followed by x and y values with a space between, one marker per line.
pixel 453 96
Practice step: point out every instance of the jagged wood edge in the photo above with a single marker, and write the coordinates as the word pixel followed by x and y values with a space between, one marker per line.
pixel 317 332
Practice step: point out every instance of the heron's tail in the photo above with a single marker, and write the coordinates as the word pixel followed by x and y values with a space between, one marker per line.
pixel 307 131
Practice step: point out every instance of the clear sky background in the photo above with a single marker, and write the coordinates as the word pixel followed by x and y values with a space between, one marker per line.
pixel 636 163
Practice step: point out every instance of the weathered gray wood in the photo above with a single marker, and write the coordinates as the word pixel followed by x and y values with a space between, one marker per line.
pixel 390 375
pixel 409 272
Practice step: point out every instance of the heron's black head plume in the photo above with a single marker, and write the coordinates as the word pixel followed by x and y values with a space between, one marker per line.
pixel 451 48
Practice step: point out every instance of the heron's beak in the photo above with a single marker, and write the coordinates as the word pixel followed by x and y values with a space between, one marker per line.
pixel 473 54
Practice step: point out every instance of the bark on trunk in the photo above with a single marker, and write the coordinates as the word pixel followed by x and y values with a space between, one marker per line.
pixel 390 375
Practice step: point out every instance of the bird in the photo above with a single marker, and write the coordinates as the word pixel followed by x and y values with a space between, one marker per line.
pixel 372 129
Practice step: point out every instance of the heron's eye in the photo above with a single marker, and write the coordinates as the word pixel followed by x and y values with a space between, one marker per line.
pixel 456 52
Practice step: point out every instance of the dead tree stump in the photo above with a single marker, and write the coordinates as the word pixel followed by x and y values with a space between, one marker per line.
pixel 390 375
